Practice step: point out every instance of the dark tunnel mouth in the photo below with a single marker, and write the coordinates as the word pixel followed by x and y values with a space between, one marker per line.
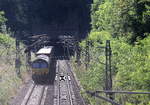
pixel 60 12
pixel 54 18
pixel 49 11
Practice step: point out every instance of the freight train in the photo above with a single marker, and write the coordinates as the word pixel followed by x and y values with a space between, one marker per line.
pixel 42 64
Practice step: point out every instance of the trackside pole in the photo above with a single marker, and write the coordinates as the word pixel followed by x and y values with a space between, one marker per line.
pixel 108 71
pixel 87 56
pixel 78 54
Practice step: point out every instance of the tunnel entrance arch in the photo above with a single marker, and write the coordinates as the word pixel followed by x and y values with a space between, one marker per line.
pixel 52 17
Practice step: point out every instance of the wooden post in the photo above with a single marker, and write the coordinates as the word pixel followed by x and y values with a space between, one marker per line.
pixel 18 62
pixel 87 56
pixel 78 54
pixel 28 60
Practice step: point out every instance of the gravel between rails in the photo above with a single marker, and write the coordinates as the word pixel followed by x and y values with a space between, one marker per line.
pixel 63 90
pixel 35 95
pixel 49 100
pixel 44 96
pixel 26 98
pixel 68 92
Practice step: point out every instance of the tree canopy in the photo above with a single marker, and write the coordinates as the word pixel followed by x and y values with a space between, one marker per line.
pixel 127 18
pixel 126 24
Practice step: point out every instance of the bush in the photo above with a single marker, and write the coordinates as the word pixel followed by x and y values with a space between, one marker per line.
pixel 5 39
pixel 130 66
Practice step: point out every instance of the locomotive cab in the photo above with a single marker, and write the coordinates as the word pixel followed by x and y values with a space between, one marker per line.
pixel 42 64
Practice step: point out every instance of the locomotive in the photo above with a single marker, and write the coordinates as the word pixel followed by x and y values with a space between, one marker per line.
pixel 42 64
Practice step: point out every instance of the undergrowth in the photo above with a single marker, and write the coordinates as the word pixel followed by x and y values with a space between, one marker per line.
pixel 9 81
pixel 130 67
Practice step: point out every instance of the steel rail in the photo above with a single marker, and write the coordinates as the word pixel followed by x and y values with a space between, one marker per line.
pixel 56 92
pixel 58 83
pixel 30 92
pixel 28 95
pixel 41 96
pixel 69 90
pixel 44 95
pixel 75 81
pixel 56 86
pixel 67 83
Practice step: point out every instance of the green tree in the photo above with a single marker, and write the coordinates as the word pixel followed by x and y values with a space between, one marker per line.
pixel 122 18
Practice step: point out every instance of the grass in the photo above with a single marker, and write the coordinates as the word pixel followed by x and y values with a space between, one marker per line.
pixel 9 81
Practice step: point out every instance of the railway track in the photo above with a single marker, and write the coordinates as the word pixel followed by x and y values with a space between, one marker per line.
pixel 36 95
pixel 76 85
pixel 64 91
pixel 64 94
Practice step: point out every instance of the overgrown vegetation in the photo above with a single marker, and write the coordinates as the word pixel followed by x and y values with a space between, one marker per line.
pixel 9 81
pixel 125 23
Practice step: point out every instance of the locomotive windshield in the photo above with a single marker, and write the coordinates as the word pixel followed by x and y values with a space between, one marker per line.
pixel 39 65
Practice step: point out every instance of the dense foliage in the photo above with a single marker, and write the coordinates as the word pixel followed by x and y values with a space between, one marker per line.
pixel 128 18
pixel 126 23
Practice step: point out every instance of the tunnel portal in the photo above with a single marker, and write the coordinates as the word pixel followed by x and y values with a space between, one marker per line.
pixel 53 18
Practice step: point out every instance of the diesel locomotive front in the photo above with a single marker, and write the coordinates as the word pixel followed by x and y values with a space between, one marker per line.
pixel 42 64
